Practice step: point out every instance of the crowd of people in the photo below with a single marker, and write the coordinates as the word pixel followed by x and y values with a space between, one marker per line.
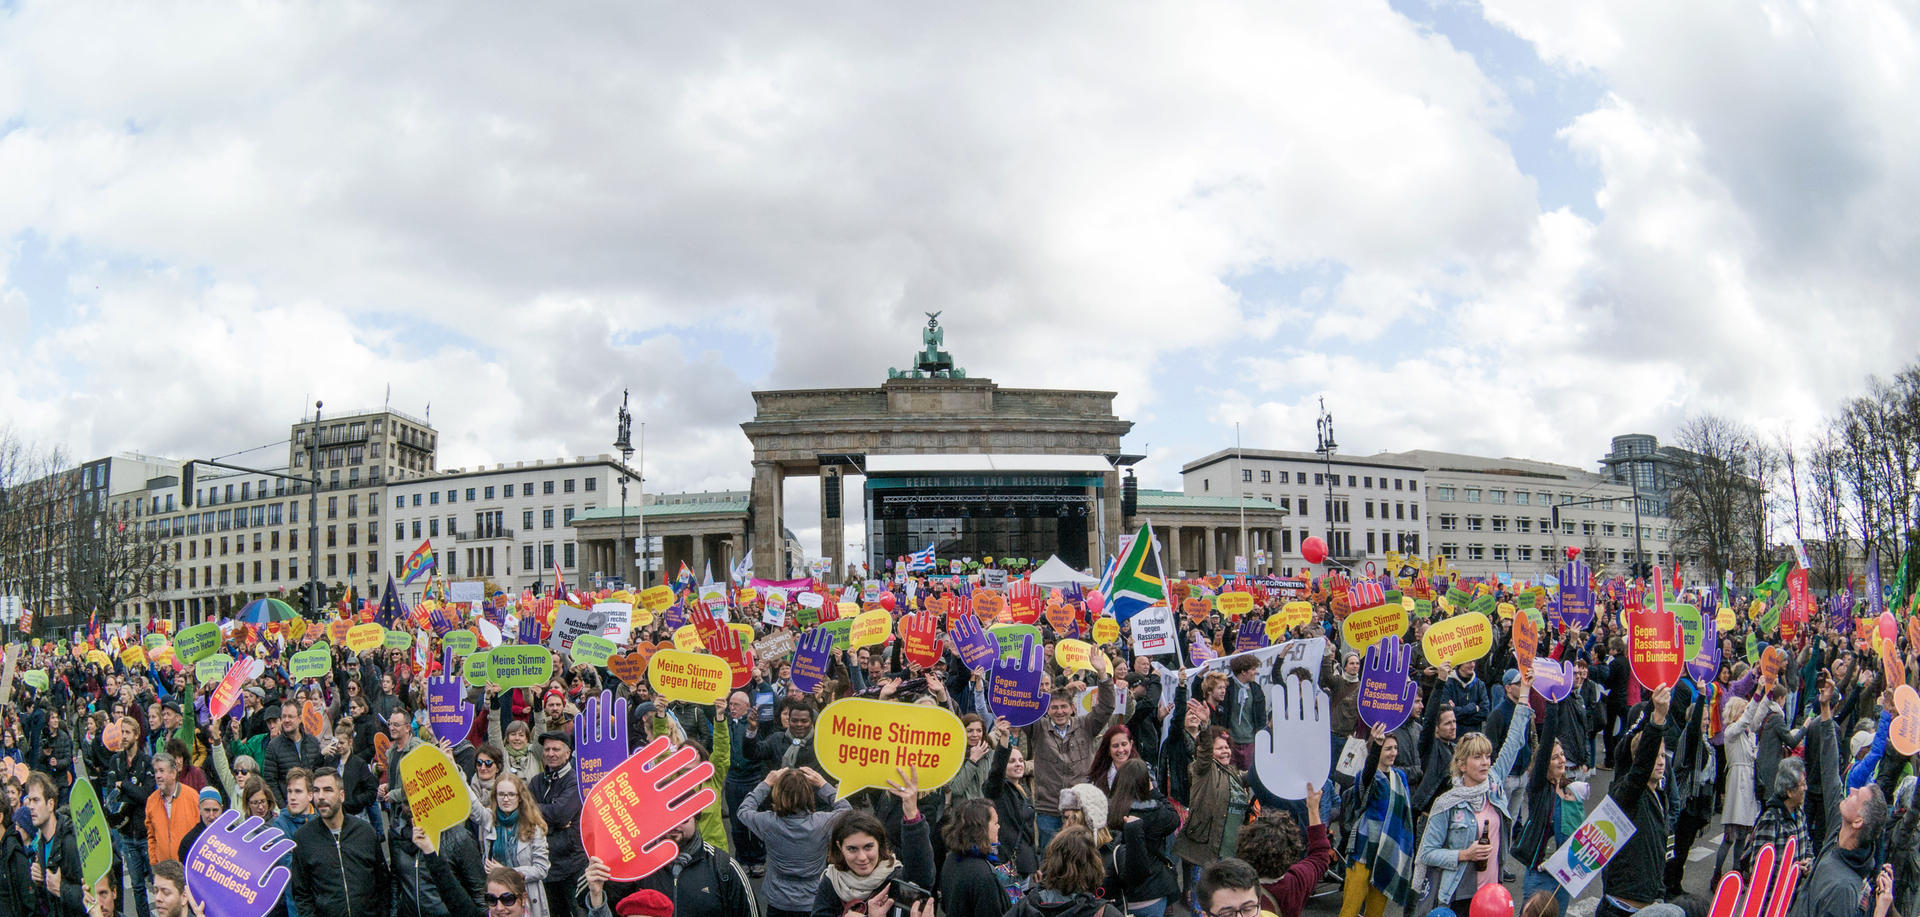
pixel 1137 791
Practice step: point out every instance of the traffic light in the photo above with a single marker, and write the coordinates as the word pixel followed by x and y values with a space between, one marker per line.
pixel 186 485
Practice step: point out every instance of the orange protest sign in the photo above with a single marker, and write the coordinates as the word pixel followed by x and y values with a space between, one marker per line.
pixel 1197 608
pixel 1904 733
pixel 988 605
pixel 337 630
pixel 1526 640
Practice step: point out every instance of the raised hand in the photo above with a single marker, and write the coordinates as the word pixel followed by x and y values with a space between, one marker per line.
pixel 1294 752
pixel 1013 685
pixel 977 648
pixel 448 711
pixel 1727 895
pixel 247 846
pixel 1386 689
pixel 723 642
pixel 599 738
pixel 530 628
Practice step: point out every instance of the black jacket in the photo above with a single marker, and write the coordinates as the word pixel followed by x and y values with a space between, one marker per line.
pixel 357 782
pixel 134 780
pixel 344 876
pixel 711 884
pixel 450 882
pixel 283 754
pixel 916 866
pixel 970 888
pixel 1150 877
pixel 1049 903
pixel 771 748
pixel 61 853
pixel 558 796
pixel 16 875
pixel 1637 872
pixel 1018 832
pixel 1535 841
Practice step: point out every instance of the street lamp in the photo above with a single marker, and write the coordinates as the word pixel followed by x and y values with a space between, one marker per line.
pixel 1326 447
pixel 623 441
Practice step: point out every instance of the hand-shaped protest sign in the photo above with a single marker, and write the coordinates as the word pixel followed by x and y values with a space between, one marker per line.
pixel 920 638
pixel 1252 635
pixel 1014 685
pixel 1576 593
pixel 1654 648
pixel 1727 895
pixel 724 643
pixel 448 710
pixel 599 739
pixel 1293 755
pixel 976 647
pixel 625 820
pixel 811 658
pixel 231 869
pixel 529 628
pixel 1705 664
pixel 1552 678
pixel 1386 692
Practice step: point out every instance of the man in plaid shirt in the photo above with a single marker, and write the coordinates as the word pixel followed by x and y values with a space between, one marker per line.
pixel 1785 816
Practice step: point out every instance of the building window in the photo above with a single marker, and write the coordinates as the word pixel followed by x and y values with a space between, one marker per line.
pixel 1397 482
pixel 546 518
pixel 1520 497
pixel 1497 496
pixel 1301 503
pixel 526 557
pixel 1475 523
pixel 1449 522
pixel 433 527
pixel 1523 525
pixel 1526 553
pixel 592 485
pixel 333 565
pixel 489 493
pixel 1500 552
pixel 1546 499
pixel 1473 495
pixel 1399 511
pixel 1588 528
pixel 416 528
pixel 566 551
pixel 1609 529
pixel 567 515
pixel 1246 475
pixel 546 487
pixel 453 496
pixel 546 551
pixel 1499 523
pixel 399 531
pixel 566 486
pixel 1413 513
pixel 1318 479
pixel 526 520
pixel 1443 493
pixel 1476 552
pixel 1370 547
pixel 1450 551
pixel 1266 476
pixel 1369 509
pixel 1350 481
pixel 453 525
pixel 332 536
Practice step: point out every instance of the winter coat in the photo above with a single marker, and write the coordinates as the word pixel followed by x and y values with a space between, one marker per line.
pixel 1019 835
pixel 558 795
pixel 1636 873
pixel 1452 830
pixel 530 857
pixel 340 876
pixel 1147 878
pixel 1049 903
pixel 970 888
pixel 914 856
pixel 284 754
pixel 1058 760
pixel 795 853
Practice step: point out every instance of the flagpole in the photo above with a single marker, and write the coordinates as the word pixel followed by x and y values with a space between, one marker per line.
pixel 1166 597
pixel 1242 500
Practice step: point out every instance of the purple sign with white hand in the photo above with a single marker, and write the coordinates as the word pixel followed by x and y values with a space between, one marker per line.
pixel 811 658
pixel 1251 636
pixel 1704 666
pixel 1386 691
pixel 1576 594
pixel 977 648
pixel 1013 686
pixel 448 711
pixel 1552 678
pixel 231 868
pixel 600 739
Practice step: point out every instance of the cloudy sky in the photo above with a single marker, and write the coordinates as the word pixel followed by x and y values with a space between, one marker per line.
pixel 1514 227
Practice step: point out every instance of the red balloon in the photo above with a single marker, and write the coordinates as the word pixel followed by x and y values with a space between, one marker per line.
pixel 1096 602
pixel 1572 553
pixel 886 600
pixel 1492 901
pixel 1314 549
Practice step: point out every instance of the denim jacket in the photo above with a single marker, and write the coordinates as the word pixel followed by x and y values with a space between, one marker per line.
pixel 1457 828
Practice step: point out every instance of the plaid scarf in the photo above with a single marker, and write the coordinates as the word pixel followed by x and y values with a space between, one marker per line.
pixel 1386 845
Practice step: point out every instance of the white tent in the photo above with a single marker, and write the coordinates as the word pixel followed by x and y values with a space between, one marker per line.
pixel 1055 574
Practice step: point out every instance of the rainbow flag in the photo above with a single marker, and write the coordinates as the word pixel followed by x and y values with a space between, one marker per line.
pixel 420 561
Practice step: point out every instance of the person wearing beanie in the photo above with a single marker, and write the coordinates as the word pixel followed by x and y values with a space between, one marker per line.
pixel 645 903
pixel 211 805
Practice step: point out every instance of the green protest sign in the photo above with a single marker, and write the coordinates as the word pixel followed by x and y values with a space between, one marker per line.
pixel 1423 607
pixel 460 642
pixel 592 650
pixel 1692 628
pixel 154 642
pixel 1012 638
pixel 842 631
pixel 519 665
pixel 196 643
pixel 90 832
pixel 1457 595
pixel 38 679
pixel 398 640
pixel 1484 605
pixel 313 663
pixel 213 668
pixel 1393 597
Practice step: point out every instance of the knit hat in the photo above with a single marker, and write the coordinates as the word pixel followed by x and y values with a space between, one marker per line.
pixel 1091 801
pixel 645 903
pixel 23 819
pixel 207 793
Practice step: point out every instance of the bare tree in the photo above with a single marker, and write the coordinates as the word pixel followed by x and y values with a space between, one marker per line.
pixel 112 557
pixel 1718 493
pixel 1879 437
pixel 38 488
pixel 1826 465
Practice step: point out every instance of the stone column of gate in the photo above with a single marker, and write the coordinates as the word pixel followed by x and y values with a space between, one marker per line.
pixel 1173 551
pixel 1109 497
pixel 833 540
pixel 1209 543
pixel 764 509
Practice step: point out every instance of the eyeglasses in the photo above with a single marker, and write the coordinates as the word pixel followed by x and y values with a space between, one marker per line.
pixel 1249 909
pixel 243 771
pixel 483 762
pixel 507 900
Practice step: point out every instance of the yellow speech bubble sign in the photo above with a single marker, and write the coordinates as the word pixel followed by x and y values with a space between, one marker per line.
pixel 1235 604
pixel 1106 630
pixel 1505 610
pixel 865 743
pixel 687 638
pixel 1276 627
pixel 847 609
pixel 1072 655
pixel 1725 620
pixel 656 599
pixel 696 679
pixel 436 790
pixel 749 595
pixel 1367 627
pixel 871 628
pixel 366 636
pixel 1459 639
pixel 1295 613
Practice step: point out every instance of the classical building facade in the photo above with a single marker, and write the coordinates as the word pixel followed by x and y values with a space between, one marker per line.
pixel 1362 506
pixel 705 530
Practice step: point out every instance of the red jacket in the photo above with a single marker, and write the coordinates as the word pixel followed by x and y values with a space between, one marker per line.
pixel 1288 894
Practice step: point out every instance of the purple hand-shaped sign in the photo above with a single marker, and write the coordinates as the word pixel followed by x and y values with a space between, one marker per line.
pixel 976 647
pixel 1704 666
pixel 231 868
pixel 529 632
pixel 600 739
pixel 1552 678
pixel 1576 594
pixel 1251 636
pixel 1386 693
pixel 811 657
pixel 448 711
pixel 676 616
pixel 1013 686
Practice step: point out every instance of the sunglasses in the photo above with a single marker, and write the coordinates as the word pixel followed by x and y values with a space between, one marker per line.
pixel 243 771
pixel 507 900
pixel 483 762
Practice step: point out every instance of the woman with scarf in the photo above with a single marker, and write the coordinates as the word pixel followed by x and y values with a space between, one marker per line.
pixel 513 834
pixel 1380 850
pixel 1007 787
pixel 972 881
pixel 1217 801
pixel 1460 849
pixel 860 863
pixel 791 830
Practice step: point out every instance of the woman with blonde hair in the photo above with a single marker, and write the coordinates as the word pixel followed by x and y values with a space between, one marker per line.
pixel 1741 807
pixel 514 835
pixel 1460 851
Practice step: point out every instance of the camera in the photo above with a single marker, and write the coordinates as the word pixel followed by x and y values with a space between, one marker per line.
pixel 904 896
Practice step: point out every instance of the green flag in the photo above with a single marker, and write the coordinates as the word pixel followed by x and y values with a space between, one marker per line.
pixel 1900 579
pixel 1774 583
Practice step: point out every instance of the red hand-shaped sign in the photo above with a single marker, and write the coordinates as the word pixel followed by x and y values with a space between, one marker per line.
pixel 625 820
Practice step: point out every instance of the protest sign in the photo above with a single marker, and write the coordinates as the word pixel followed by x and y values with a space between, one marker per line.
pixel 1459 639
pixel 1014 685
pixel 1654 648
pixel 683 676
pixel 1386 691
pixel 811 658
pixel 1294 614
pixel 865 743
pixel 448 712
pixel 617 625
pixel 920 639
pixel 228 691
pixel 1292 751
pixel 571 623
pixel 1692 627
pixel 233 868
pixel 462 643
pixel 625 820
pixel 1012 637
pixel 196 643
pixel 1364 628
pixel 657 598
pixel 841 629
pixel 871 628
pixel 212 669
pixel 90 831
pixel 1591 847
pixel 133 657
pixel 599 739
pixel 36 678
pixel 436 790
pixel 1235 604
pixel 1904 732
pixel 593 650
pixel 1552 678
pixel 313 663
pixel 1073 655
pixel 517 665
pixel 1105 631
pixel 313 718
pixel 1576 594
pixel 1526 640
pixel 363 637
pixel 1153 632
pixel 774 646
pixel 1704 665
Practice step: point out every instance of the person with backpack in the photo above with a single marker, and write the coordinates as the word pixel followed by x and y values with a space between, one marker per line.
pixel 1069 880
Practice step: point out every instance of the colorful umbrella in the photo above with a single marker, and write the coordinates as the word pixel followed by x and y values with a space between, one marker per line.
pixel 266 611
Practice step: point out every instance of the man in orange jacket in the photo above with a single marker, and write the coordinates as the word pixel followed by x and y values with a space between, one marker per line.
pixel 171 812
